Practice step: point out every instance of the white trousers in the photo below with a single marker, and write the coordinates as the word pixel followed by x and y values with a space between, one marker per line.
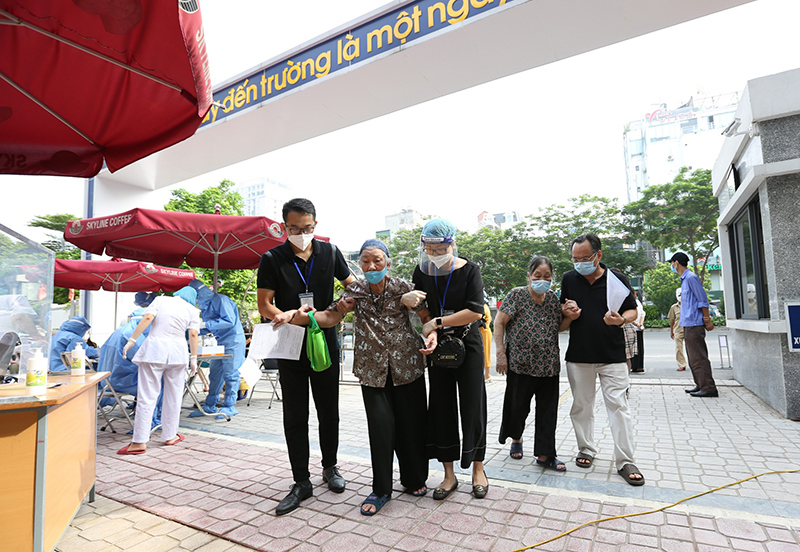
pixel 149 386
pixel 613 383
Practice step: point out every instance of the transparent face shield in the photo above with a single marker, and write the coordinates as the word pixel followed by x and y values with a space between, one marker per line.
pixel 437 255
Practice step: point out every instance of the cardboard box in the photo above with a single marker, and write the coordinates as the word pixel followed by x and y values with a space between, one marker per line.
pixel 216 350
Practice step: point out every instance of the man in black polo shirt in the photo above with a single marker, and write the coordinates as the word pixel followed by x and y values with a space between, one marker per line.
pixel 299 272
pixel 597 349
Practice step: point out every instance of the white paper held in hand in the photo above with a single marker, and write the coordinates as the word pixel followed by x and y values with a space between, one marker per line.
pixel 616 292
pixel 285 342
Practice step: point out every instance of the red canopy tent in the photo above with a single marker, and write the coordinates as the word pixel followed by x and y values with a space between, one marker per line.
pixel 170 237
pixel 92 80
pixel 117 275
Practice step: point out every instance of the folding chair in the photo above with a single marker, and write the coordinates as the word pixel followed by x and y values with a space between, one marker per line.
pixel 269 368
pixel 106 392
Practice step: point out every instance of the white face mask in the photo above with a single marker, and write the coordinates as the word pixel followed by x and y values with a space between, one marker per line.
pixel 301 241
pixel 440 260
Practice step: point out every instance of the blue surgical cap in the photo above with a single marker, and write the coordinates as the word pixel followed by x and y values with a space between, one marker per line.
pixel 375 244
pixel 439 228
pixel 144 298
pixel 187 294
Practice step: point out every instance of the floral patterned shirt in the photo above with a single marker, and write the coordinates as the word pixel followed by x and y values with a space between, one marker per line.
pixel 384 340
pixel 531 336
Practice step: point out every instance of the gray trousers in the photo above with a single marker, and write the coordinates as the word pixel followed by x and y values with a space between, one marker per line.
pixel 697 353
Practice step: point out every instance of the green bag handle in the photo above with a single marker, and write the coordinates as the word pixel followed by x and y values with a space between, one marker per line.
pixel 316 346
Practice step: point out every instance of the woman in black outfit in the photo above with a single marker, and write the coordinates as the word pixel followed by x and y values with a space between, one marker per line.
pixel 454 294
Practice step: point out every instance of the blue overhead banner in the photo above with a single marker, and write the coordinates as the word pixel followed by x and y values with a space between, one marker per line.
pixel 382 34
pixel 793 326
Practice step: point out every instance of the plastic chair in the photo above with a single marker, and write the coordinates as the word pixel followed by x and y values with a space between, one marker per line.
pixel 269 368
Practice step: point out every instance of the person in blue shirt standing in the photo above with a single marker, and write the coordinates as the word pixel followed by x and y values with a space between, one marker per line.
pixel 695 320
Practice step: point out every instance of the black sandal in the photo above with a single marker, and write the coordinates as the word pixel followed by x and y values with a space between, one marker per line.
pixel 583 456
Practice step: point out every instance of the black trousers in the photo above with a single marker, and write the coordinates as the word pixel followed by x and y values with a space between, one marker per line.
pixel 637 362
pixel 294 378
pixel 453 391
pixel 697 355
pixel 520 390
pixel 396 417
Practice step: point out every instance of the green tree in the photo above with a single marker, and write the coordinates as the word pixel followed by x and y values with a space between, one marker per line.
pixel 59 245
pixel 558 225
pixel 233 282
pixel 678 216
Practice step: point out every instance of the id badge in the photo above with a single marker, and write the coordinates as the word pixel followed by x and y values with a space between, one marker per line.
pixel 448 312
pixel 306 299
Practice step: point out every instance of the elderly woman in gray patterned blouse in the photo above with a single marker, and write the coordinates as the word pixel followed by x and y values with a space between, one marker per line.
pixel 390 364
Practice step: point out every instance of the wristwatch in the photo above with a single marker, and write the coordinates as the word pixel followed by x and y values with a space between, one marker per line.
pixel 438 322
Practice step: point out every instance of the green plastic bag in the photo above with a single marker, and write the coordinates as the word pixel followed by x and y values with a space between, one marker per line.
pixel 316 346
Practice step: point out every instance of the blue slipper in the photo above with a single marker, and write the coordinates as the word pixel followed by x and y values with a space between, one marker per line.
pixel 375 500
pixel 553 463
pixel 516 448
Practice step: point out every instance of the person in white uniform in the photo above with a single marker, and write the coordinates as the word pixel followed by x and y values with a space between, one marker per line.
pixel 163 353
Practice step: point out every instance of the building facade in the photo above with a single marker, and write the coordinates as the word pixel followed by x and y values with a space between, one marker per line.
pixel 264 197
pixel 502 221
pixel 757 179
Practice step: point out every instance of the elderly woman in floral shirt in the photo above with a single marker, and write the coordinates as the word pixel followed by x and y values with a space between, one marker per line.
pixel 389 363
pixel 526 337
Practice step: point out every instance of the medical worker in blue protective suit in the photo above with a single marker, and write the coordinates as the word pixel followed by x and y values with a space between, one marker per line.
pixel 124 373
pixel 221 318
pixel 71 333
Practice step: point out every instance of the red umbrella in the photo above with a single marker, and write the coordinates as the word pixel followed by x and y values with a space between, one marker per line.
pixel 117 275
pixel 88 80
pixel 170 237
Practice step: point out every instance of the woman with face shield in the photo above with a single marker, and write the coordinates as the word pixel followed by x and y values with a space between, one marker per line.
pixel 389 363
pixel 454 292
pixel 526 337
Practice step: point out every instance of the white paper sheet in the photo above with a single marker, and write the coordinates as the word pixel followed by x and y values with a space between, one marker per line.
pixel 250 371
pixel 616 292
pixel 285 342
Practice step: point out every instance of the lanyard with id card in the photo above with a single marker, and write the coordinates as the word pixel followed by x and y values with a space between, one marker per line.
pixel 307 298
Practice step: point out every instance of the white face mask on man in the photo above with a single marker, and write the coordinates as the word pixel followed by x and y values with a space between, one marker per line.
pixel 301 241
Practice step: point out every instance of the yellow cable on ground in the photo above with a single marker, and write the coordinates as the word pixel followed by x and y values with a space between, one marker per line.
pixel 565 533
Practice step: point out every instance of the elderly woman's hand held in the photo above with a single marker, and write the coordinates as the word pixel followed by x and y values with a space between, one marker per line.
pixel 431 342
pixel 502 363
pixel 345 305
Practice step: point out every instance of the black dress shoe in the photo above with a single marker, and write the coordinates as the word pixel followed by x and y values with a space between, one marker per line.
pixel 705 394
pixel 333 478
pixel 299 492
pixel 694 390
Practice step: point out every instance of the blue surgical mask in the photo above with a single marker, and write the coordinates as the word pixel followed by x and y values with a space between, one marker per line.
pixel 675 270
pixel 375 276
pixel 540 286
pixel 584 269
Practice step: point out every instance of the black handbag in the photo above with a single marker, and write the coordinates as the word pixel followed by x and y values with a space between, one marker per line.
pixel 450 350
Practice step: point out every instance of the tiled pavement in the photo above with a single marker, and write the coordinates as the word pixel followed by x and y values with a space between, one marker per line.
pixel 218 489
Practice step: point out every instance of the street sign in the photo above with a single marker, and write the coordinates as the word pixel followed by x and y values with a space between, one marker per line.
pixel 793 326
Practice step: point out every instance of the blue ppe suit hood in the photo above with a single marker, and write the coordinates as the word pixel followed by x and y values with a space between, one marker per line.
pixel 70 333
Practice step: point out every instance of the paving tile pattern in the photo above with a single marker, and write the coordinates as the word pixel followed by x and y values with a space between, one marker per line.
pixel 218 489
